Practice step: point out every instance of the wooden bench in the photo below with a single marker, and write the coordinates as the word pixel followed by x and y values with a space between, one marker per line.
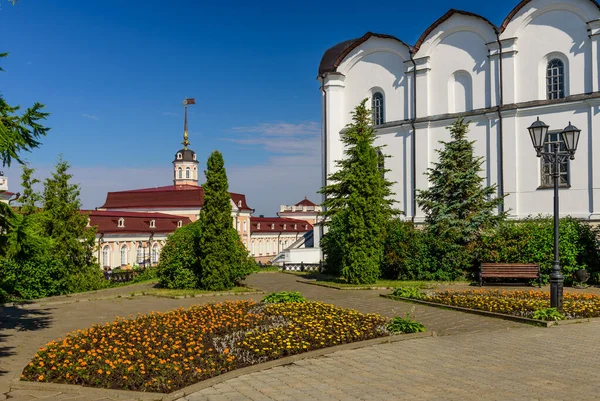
pixel 509 270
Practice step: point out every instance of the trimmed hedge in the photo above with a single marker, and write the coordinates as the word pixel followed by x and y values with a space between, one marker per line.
pixel 413 254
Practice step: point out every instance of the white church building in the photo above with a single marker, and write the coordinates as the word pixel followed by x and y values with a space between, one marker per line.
pixel 542 61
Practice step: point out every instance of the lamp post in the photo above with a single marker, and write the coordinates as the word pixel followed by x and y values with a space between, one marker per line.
pixel 570 138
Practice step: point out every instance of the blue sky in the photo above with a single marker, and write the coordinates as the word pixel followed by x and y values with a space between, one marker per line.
pixel 113 73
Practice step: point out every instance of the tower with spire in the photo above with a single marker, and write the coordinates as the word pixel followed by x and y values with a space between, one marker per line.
pixel 185 165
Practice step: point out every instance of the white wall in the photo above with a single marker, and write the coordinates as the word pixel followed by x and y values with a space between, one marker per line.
pixel 462 53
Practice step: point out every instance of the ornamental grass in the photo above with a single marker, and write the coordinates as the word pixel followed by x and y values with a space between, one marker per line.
pixel 517 302
pixel 163 352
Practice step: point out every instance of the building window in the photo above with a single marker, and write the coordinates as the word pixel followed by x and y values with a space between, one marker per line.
pixel 179 156
pixel 179 223
pixel 295 226
pixel 268 247
pixel 377 108
pixel 140 254
pixel 237 225
pixel 124 255
pixel 547 168
pixel 555 79
pixel 180 171
pixel 258 226
pixel 239 203
pixel 187 172
pixel 152 224
pixel 194 157
pixel 253 248
pixel 106 256
pixel 260 248
pixel 245 228
pixel 284 226
pixel 154 257
pixel 121 222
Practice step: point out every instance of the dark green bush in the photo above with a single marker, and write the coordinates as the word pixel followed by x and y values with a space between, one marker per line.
pixel 179 258
pixel 532 241
pixel 414 254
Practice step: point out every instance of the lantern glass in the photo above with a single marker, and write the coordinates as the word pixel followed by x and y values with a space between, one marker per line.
pixel 570 137
pixel 538 131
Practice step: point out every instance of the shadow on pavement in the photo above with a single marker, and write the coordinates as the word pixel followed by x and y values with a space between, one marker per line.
pixel 14 318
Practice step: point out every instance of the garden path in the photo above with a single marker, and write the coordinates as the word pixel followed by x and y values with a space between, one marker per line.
pixel 25 328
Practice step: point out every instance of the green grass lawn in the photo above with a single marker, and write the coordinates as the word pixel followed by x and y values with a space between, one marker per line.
pixel 168 293
pixel 337 282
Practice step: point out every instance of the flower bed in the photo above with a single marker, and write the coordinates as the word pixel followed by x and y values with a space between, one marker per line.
pixel 162 352
pixel 517 303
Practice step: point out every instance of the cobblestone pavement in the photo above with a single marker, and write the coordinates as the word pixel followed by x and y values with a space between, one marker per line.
pixel 551 364
pixel 25 328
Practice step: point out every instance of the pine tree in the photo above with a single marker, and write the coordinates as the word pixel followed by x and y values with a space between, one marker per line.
pixel 457 204
pixel 358 205
pixel 223 258
pixel 63 222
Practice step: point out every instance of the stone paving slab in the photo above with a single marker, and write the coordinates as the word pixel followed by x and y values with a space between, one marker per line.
pixel 24 329
pixel 560 363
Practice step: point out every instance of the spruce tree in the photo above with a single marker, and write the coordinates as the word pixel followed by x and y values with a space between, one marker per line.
pixel 29 199
pixel 457 204
pixel 222 256
pixel 358 205
pixel 63 222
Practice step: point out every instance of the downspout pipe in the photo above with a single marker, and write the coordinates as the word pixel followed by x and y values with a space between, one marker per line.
pixel 500 122
pixel 414 138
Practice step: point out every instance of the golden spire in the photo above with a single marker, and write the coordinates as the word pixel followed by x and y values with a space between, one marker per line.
pixel 186 141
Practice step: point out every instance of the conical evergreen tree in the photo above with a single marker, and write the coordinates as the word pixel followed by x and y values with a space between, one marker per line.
pixel 358 207
pixel 62 221
pixel 29 199
pixel 457 204
pixel 223 258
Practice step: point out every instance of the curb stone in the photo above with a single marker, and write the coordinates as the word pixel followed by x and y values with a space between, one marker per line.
pixel 518 319
pixel 91 392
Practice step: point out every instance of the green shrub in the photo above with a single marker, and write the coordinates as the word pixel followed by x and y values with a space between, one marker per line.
pixel 283 297
pixel 149 273
pixel 548 314
pixel 405 325
pixel 532 241
pixel 408 292
pixel 415 254
pixel 179 257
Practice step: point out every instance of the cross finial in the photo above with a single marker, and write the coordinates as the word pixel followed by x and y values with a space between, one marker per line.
pixel 186 102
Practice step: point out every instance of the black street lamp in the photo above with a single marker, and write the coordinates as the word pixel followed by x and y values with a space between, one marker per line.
pixel 570 138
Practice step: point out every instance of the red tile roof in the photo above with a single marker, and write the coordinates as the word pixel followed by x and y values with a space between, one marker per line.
pixel 168 197
pixel 107 222
pixel 305 202
pixel 278 224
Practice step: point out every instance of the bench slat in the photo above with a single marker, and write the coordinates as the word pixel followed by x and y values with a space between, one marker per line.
pixel 509 270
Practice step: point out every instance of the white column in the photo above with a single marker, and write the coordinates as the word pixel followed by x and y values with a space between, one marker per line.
pixel 422 163
pixel 335 121
pixel 594 33
pixel 509 70
pixel 511 156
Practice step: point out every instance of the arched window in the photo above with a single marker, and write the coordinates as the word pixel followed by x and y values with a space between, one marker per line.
pixel 179 223
pixel 179 156
pixel 124 255
pixel 121 222
pixel 155 252
pixel 106 256
pixel 187 172
pixel 152 223
pixel 260 248
pixel 253 247
pixel 140 254
pixel 258 226
pixel 180 172
pixel 377 108
pixel 555 79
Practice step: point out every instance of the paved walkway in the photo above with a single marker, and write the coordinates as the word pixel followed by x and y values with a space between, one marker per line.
pixel 459 350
